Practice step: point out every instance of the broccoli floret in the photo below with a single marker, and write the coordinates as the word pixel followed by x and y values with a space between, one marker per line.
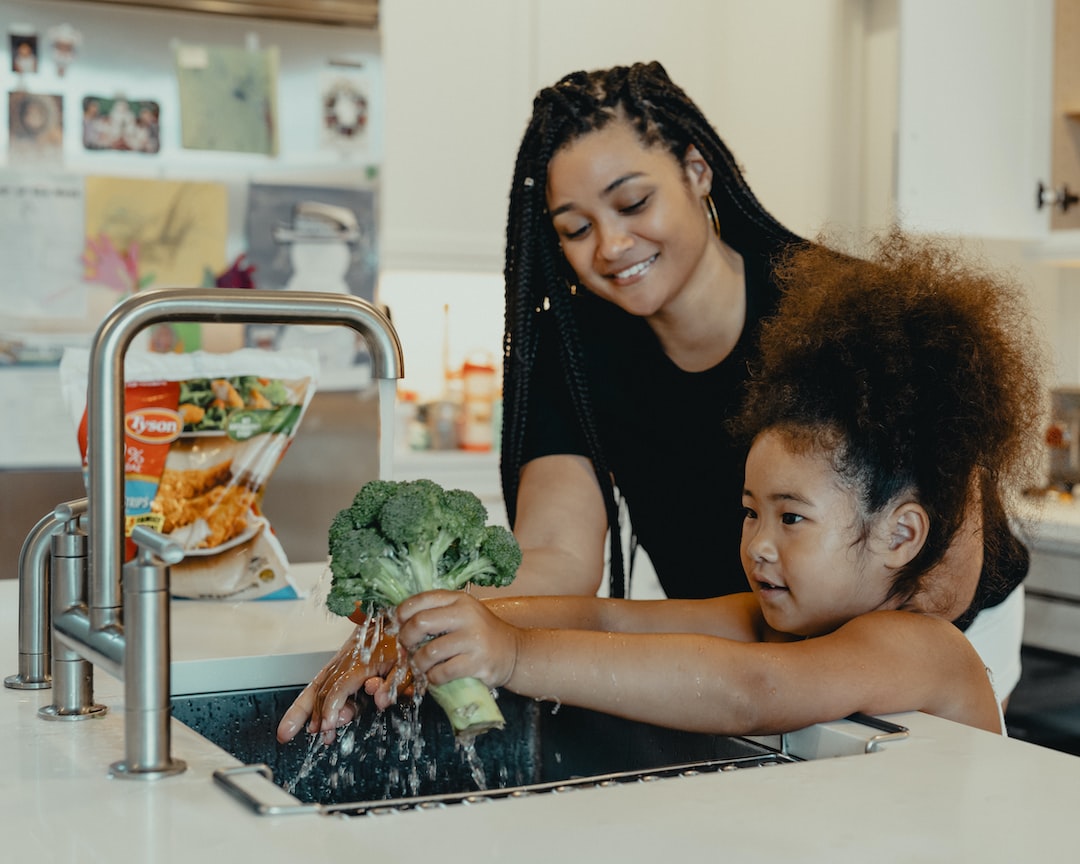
pixel 368 503
pixel 493 561
pixel 423 536
pixel 361 572
pixel 399 538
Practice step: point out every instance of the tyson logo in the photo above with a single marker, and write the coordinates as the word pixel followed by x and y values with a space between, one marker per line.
pixel 154 425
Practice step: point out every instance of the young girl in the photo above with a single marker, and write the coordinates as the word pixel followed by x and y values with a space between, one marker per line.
pixel 891 394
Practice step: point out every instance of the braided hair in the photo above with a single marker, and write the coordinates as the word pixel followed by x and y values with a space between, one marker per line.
pixel 539 281
pixel 915 370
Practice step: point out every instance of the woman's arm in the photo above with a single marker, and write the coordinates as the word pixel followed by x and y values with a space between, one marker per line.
pixel 561 527
pixel 880 663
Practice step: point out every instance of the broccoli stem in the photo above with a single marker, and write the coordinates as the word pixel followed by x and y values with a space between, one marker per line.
pixel 465 573
pixel 389 581
pixel 469 705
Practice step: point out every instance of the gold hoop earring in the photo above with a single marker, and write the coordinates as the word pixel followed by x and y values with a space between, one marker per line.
pixel 712 215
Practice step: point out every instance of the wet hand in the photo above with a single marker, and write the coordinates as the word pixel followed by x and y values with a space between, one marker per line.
pixel 327 702
pixel 397 684
pixel 451 635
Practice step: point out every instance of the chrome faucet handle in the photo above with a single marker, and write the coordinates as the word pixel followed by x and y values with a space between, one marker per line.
pixel 152 543
pixel 147 713
pixel 70 510
pixel 72 672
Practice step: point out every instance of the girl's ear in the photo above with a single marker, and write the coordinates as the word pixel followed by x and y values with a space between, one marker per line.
pixel 698 172
pixel 909 526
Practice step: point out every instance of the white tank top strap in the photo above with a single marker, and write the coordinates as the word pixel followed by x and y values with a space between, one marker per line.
pixel 997 698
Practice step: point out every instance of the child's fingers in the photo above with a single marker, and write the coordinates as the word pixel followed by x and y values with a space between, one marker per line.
pixel 426 600
pixel 458 666
pixel 452 647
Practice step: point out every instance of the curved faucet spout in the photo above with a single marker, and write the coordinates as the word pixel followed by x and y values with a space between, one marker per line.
pixel 105 393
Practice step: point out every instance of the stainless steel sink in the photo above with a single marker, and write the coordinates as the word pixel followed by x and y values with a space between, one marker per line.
pixel 379 765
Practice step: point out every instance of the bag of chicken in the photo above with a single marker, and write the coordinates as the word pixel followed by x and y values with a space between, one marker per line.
pixel 203 434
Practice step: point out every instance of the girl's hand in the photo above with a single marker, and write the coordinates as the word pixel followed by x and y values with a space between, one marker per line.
pixel 327 702
pixel 451 635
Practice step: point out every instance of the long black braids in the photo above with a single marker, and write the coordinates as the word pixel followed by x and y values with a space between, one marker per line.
pixel 539 282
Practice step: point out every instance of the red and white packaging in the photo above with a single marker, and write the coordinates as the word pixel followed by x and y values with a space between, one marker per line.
pixel 203 433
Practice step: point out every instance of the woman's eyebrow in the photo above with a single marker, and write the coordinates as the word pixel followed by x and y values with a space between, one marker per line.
pixel 607 190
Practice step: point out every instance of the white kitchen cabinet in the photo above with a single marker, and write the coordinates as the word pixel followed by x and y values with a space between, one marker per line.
pixel 1063 245
pixel 782 83
pixel 1052 601
pixel 974 116
pixel 457 98
pixel 1051 530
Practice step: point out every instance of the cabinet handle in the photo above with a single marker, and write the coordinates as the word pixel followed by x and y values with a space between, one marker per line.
pixel 1062 198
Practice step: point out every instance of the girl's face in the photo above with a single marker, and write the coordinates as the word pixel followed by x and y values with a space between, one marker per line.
pixel 801 547
pixel 630 218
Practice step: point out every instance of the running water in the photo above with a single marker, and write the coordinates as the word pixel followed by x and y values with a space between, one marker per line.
pixel 385 744
pixel 387 412
pixel 467 747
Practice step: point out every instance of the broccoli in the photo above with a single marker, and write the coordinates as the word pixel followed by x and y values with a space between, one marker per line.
pixel 399 538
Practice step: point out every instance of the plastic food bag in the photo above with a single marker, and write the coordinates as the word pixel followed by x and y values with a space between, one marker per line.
pixel 203 434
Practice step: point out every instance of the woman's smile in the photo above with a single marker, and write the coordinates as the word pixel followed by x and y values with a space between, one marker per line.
pixel 631 274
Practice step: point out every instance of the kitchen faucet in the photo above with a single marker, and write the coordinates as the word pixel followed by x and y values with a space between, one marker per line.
pixel 35 656
pixel 89 625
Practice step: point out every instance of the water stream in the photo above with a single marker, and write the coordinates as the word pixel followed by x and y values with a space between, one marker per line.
pixel 387 413
pixel 392 739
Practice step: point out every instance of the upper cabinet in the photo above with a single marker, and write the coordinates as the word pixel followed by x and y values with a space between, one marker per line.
pixel 782 82
pixel 457 86
pixel 974 116
pixel 1065 119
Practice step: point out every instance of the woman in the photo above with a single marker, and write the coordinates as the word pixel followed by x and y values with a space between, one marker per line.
pixel 639 267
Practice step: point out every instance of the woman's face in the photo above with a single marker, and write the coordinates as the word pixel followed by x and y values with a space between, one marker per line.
pixel 630 218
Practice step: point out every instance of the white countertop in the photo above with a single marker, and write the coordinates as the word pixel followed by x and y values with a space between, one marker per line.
pixel 948 793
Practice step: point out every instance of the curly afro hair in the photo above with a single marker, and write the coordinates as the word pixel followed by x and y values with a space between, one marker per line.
pixel 915 369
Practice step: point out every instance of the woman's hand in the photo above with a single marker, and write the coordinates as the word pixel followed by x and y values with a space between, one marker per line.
pixel 451 635
pixel 327 702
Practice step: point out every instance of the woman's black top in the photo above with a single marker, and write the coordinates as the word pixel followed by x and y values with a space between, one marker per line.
pixel 664 433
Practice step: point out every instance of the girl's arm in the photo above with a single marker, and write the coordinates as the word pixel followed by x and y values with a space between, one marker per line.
pixel 880 663
pixel 735 616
